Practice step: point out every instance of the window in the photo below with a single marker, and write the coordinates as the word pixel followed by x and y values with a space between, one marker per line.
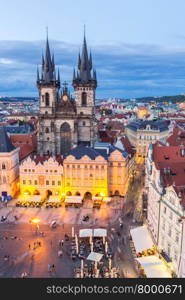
pixel 30 182
pixel 83 123
pixel 102 167
pixel 35 182
pixel 25 170
pixel 91 175
pixel 42 98
pixel 33 171
pixel 175 255
pixel 47 99
pixel 51 171
pixel 53 182
pixel 24 182
pixel 78 166
pixel 119 165
pixel 73 166
pixel 47 182
pixel 91 167
pixel 97 167
pixel 48 139
pixel 84 99
pixel 169 249
pixel 67 166
pixel 59 182
pixel 47 130
pixel 170 232
pixel 85 167
pixel 3 167
pixel 46 171
pixel 81 113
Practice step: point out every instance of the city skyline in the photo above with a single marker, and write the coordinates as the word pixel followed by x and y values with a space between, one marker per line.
pixel 132 58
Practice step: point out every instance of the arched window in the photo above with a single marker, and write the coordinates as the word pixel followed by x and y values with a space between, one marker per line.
pixel 3 166
pixel 84 99
pixel 47 99
pixel 47 130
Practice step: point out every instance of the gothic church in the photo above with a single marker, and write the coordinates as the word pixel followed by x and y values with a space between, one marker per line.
pixel 65 122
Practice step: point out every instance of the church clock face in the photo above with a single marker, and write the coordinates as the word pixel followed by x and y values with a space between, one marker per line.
pixel 64 98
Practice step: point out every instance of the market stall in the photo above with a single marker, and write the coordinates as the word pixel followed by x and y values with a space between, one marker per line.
pixel 75 201
pixel 53 201
pixel 141 239
pixel 30 201
pixel 153 267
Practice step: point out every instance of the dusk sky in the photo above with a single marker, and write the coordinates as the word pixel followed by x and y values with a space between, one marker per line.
pixel 138 47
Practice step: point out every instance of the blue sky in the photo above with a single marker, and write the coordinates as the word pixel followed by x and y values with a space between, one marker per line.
pixel 138 46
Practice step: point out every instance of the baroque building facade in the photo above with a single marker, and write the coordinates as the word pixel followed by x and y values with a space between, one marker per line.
pixel 65 122
pixel 103 169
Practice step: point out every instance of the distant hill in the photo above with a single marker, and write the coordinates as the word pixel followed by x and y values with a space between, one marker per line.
pixel 18 99
pixel 172 99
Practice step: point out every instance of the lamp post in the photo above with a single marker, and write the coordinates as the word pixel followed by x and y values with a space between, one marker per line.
pixel 35 221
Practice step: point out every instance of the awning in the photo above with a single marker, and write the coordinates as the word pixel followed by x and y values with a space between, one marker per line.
pixel 71 199
pixel 100 232
pixel 85 233
pixel 54 199
pixel 154 267
pixel 94 256
pixel 141 238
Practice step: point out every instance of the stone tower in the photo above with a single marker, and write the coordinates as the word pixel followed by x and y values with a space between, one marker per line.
pixel 48 87
pixel 65 122
pixel 85 83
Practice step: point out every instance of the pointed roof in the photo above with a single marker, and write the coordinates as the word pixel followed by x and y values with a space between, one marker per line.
pixel 5 143
pixel 48 74
pixel 83 74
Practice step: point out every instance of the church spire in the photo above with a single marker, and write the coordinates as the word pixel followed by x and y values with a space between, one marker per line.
pixel 83 74
pixel 48 75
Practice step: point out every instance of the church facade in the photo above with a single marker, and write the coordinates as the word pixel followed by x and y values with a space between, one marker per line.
pixel 65 122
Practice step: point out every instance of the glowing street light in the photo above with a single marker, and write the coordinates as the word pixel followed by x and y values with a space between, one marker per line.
pixel 36 222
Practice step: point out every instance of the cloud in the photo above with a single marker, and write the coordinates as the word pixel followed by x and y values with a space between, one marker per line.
pixel 123 70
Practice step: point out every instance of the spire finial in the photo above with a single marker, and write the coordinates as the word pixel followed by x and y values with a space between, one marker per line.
pixel 84 31
pixel 47 32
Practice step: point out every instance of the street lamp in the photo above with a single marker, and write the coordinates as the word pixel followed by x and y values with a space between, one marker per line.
pixel 35 221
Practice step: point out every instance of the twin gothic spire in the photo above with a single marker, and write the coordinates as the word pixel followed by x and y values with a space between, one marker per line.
pixel 84 75
pixel 48 72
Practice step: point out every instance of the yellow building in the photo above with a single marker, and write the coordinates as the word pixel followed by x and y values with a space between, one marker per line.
pixel 143 133
pixel 85 171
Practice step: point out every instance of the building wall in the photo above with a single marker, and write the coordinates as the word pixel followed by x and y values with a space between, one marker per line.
pixel 41 177
pixel 97 176
pixel 9 172
pixel 170 227
pixel 141 139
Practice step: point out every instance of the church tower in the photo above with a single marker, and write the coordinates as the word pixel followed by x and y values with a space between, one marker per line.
pixel 48 87
pixel 85 83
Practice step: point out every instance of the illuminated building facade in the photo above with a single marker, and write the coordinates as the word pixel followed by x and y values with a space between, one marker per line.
pixel 9 165
pixel 85 170
pixel 143 133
